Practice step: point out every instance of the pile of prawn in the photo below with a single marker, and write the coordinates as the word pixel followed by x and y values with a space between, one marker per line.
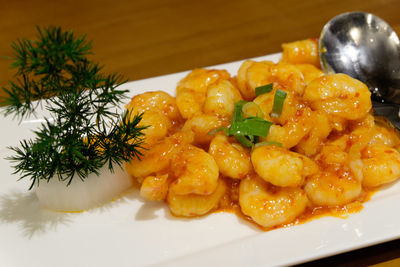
pixel 333 150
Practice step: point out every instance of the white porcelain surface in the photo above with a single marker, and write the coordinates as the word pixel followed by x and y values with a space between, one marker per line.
pixel 133 232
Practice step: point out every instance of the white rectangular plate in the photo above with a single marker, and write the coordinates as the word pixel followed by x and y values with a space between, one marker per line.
pixel 133 232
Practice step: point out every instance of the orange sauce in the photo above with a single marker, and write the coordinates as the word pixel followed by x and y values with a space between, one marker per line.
pixel 344 141
pixel 230 203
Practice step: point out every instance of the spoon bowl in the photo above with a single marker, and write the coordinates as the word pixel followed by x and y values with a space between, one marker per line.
pixel 364 47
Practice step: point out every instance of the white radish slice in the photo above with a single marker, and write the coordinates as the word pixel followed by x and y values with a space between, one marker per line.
pixel 83 195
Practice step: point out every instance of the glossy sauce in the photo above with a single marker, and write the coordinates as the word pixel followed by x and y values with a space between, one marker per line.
pixel 230 201
pixel 230 204
pixel 327 129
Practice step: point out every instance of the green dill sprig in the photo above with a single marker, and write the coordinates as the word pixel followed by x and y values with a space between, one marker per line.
pixel 46 67
pixel 85 130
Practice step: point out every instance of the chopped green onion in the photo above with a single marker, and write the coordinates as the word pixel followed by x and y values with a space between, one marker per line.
pixel 253 138
pixel 279 98
pixel 268 143
pixel 251 106
pixel 237 113
pixel 263 89
pixel 251 126
pixel 246 130
pixel 226 130
pixel 244 141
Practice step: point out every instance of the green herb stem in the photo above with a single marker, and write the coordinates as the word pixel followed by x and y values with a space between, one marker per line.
pixel 249 108
pixel 85 131
pixel 268 143
pixel 246 130
pixel 264 89
pixel 279 99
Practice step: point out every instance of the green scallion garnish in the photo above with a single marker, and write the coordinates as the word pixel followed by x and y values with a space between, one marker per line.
pixel 244 141
pixel 250 108
pixel 226 130
pixel 279 99
pixel 246 130
pixel 264 89
pixel 268 143
pixel 250 126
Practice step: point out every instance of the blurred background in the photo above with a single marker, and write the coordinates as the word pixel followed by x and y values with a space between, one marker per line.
pixel 149 38
pixel 142 39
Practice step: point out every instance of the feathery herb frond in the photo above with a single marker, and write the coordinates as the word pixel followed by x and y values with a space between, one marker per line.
pixel 85 131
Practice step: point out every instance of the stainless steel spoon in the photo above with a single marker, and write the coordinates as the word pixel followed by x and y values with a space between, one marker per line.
pixel 365 47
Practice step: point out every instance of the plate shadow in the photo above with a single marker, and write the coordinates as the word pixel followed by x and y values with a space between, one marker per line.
pixel 24 209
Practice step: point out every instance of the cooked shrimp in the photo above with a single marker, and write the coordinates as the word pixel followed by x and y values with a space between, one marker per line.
pixel 232 159
pixel 253 74
pixel 335 184
pixel 198 80
pixel 360 136
pixel 201 125
pixel 342 154
pixel 331 145
pixel 159 156
pixel 383 134
pixel 294 122
pixel 291 106
pixel 195 205
pixel 221 99
pixel 282 167
pixel 154 187
pixel 196 172
pixel 156 159
pixel 160 114
pixel 310 72
pixel 339 95
pixel 330 189
pixel 268 205
pixel 191 90
pixel 257 70
pixel 299 52
pixel 320 129
pixel 290 134
pixel 381 165
pixel 190 102
pixel 293 109
pixel 157 101
pixel 158 126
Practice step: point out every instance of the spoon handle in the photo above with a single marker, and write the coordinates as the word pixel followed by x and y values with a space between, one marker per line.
pixel 390 111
